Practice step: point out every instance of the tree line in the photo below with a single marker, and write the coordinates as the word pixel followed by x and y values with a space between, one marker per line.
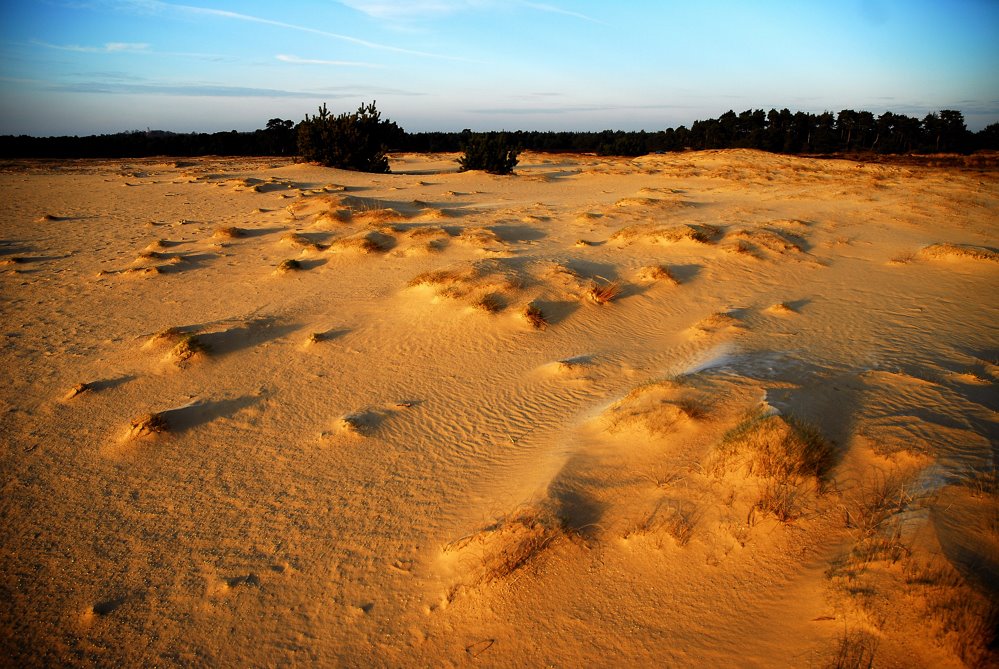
pixel 780 131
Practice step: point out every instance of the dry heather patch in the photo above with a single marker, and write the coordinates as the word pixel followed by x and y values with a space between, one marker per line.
pixel 498 551
pixel 960 251
pixel 657 273
pixel 654 233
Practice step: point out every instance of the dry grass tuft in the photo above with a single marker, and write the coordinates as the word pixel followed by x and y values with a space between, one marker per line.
pixel 290 265
pixel 78 389
pixel 668 518
pixel 655 273
pixel 535 317
pixel 854 650
pixel 372 241
pixel 510 544
pixel 654 233
pixel 780 499
pixel 778 447
pixel 603 293
pixel 148 425
pixel 490 303
pixel 963 619
pixel 188 347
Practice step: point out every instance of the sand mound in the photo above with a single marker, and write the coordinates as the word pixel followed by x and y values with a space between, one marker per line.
pixel 508 545
pixel 760 242
pixel 366 242
pixel 958 251
pixel 654 233
pixel 656 274
pixel 657 409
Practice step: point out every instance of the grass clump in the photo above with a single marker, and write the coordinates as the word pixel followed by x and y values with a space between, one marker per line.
pixel 603 293
pixel 290 265
pixel 511 543
pixel 230 232
pixel 188 347
pixel 535 317
pixel 490 303
pixel 854 650
pixel 149 424
pixel 780 447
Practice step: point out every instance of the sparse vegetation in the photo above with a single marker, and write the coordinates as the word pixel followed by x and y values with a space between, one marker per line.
pixel 490 303
pixel 510 543
pixel 149 424
pixel 854 650
pixel 230 232
pixel 290 265
pixel 779 447
pixel 535 317
pixel 603 293
pixel 188 347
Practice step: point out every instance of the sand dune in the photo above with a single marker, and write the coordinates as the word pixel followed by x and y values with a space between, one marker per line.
pixel 711 409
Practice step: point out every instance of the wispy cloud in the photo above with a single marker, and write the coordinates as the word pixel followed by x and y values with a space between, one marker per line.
pixel 108 47
pixel 131 47
pixel 572 109
pixel 186 89
pixel 407 10
pixel 288 58
pixel 248 18
pixel 552 9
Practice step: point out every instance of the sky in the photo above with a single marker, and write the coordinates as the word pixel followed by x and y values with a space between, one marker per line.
pixel 82 67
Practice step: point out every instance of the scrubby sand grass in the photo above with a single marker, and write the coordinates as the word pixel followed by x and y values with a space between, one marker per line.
pixel 748 421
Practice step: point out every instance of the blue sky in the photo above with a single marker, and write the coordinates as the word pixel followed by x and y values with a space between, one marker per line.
pixel 93 66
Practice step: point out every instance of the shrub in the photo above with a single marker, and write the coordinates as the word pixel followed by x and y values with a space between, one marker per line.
pixel 489 152
pixel 349 141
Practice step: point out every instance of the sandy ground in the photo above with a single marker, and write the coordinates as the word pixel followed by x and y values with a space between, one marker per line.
pixel 713 409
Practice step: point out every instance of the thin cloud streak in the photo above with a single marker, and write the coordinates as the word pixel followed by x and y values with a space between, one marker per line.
pixel 296 60
pixel 551 9
pixel 109 47
pixel 236 16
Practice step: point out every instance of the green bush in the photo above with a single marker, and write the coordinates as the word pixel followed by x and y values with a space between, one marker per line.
pixel 355 141
pixel 489 152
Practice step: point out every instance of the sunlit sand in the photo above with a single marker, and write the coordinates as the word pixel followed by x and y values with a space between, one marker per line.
pixel 723 408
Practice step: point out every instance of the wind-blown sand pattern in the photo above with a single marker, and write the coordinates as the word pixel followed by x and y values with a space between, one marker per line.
pixel 713 409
